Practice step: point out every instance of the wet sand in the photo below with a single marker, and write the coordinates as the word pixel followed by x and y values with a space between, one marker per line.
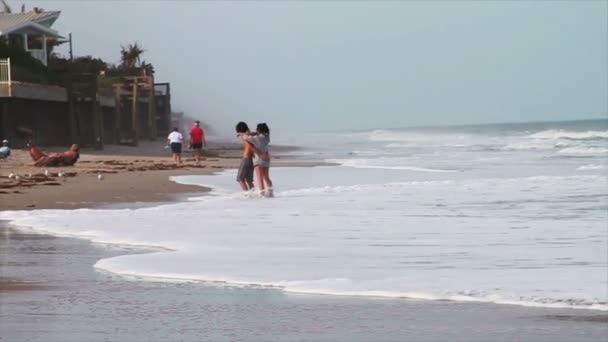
pixel 70 301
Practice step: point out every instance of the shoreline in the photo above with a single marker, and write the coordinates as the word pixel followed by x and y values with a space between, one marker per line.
pixel 81 303
pixel 149 248
pixel 143 199
pixel 129 175
pixel 582 321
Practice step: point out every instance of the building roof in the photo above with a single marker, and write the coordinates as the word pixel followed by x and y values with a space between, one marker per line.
pixel 36 21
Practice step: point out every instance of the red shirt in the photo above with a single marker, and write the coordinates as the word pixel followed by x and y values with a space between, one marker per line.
pixel 197 135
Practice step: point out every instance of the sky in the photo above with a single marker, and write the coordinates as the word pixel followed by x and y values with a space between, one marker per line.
pixel 314 65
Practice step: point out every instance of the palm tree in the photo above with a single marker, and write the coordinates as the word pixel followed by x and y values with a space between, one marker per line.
pixel 131 55
pixel 147 68
pixel 6 8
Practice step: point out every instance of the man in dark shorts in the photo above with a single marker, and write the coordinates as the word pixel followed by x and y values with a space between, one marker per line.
pixel 245 173
pixel 197 140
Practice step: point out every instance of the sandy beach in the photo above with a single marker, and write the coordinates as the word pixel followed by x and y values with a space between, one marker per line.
pixel 129 174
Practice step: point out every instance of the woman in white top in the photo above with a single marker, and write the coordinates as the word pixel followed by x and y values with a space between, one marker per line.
pixel 175 140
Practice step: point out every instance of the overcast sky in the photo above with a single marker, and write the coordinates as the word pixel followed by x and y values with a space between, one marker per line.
pixel 361 64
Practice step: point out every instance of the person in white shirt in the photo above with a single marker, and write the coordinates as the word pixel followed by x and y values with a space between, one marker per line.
pixel 175 140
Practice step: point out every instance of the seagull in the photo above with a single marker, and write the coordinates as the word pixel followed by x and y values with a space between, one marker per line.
pixel 17 177
pixel 11 175
pixel 46 172
pixel 100 176
pixel 60 174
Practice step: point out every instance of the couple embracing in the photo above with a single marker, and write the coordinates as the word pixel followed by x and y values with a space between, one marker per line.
pixel 255 156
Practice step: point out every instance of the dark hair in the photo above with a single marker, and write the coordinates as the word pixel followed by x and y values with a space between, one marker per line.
pixel 175 129
pixel 241 127
pixel 263 128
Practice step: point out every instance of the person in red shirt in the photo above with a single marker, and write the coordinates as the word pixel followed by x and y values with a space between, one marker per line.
pixel 197 140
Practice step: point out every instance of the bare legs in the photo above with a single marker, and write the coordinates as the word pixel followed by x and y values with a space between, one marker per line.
pixel 244 185
pixel 259 173
pixel 265 184
pixel 266 174
pixel 177 157
pixel 197 156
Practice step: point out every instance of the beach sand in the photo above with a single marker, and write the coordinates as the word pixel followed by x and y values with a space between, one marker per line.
pixel 130 174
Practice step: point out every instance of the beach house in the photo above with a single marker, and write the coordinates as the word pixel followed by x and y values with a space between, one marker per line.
pixel 55 102
pixel 30 30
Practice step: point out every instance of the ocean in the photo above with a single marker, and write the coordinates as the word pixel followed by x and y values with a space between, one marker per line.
pixel 507 214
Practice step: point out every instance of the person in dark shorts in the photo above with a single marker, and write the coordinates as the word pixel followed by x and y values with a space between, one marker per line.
pixel 175 140
pixel 245 174
pixel 197 140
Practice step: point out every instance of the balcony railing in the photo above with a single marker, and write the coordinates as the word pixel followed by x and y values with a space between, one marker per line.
pixel 5 70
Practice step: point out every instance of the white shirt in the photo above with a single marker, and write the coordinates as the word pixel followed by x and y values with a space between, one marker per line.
pixel 175 137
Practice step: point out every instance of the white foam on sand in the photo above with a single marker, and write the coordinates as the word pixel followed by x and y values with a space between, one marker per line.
pixel 526 240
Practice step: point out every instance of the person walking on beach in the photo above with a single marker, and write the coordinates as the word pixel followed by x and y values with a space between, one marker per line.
pixel 245 174
pixel 197 140
pixel 175 140
pixel 261 159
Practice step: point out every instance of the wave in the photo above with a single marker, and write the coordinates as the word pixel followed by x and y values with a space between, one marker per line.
pixel 388 241
pixel 531 145
pixel 348 287
pixel 590 167
pixel 384 135
pixel 471 183
pixel 584 150
pixel 316 287
pixel 400 145
pixel 371 164
pixel 571 135
pixel 404 168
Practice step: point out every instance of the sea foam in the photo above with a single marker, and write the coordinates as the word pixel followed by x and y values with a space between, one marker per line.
pixel 502 240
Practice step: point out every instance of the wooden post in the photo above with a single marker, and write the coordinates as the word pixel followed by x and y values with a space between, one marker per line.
pixel 26 44
pixel 152 129
pixel 44 48
pixel 168 106
pixel 74 134
pixel 134 121
pixel 7 129
pixel 117 113
pixel 97 125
